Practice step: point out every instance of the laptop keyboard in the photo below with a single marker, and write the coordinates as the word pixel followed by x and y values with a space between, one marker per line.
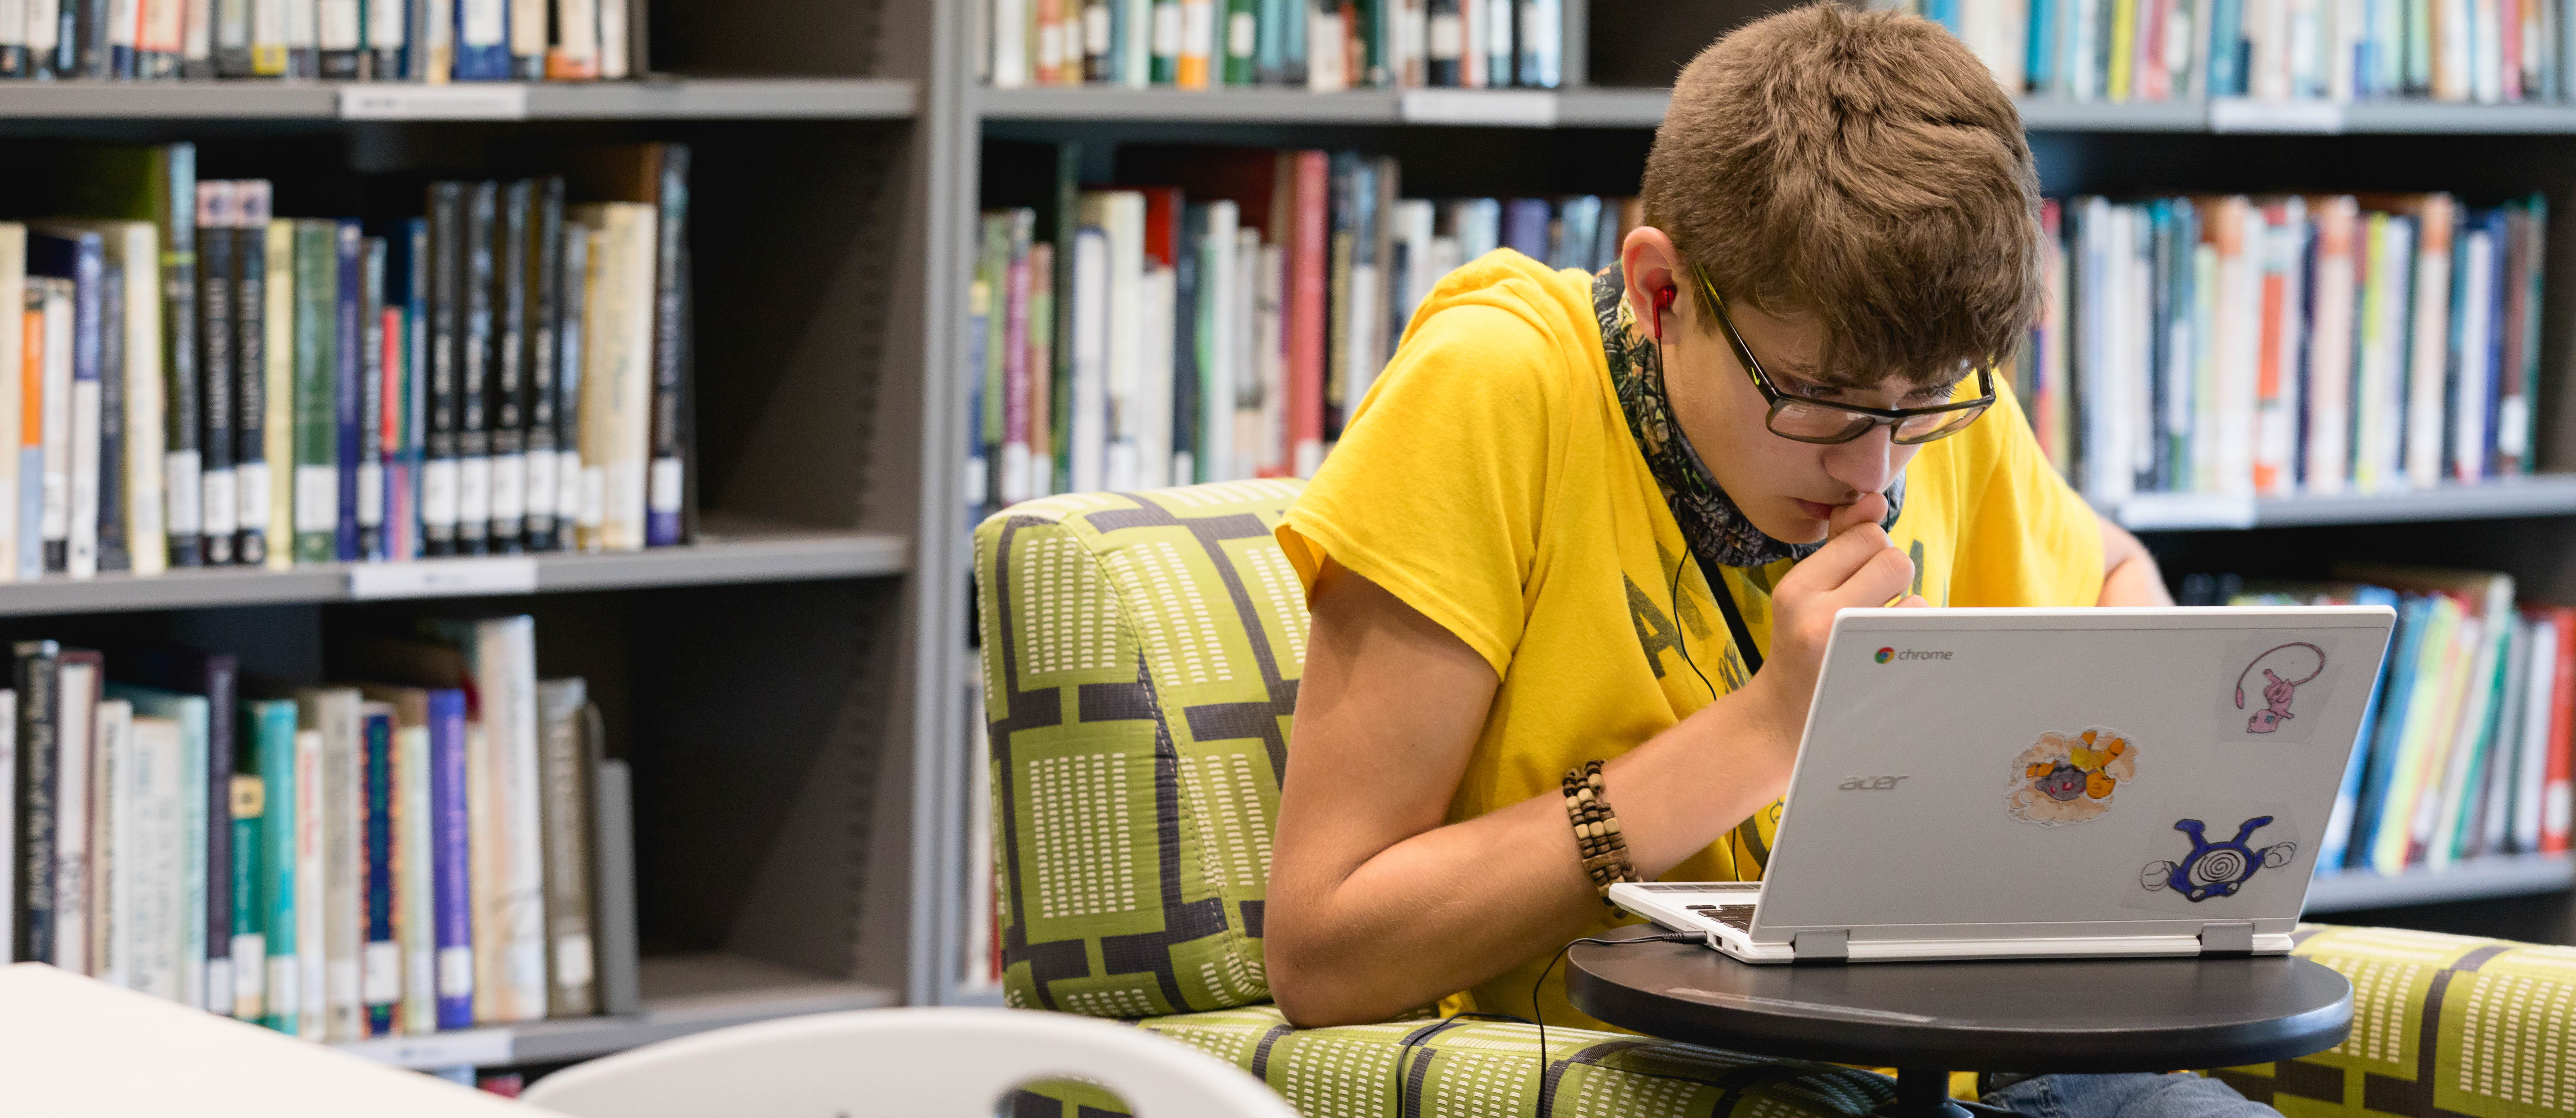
pixel 1736 916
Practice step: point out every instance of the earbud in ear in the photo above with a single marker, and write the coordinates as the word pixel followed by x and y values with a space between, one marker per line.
pixel 1663 302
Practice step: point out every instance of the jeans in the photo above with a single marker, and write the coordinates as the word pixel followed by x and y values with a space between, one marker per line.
pixel 2179 1095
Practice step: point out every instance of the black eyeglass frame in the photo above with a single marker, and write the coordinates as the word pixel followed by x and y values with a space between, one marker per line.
pixel 1878 417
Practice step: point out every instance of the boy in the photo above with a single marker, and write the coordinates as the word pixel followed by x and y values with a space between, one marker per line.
pixel 1599 526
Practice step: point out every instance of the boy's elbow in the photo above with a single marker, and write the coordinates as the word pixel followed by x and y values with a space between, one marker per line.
pixel 1313 993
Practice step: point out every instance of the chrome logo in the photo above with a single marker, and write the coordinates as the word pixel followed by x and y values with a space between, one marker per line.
pixel 1886 654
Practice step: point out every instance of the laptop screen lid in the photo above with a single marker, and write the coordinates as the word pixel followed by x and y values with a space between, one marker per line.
pixel 2030 773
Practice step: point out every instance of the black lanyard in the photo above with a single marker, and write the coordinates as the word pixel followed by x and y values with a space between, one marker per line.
pixel 1734 618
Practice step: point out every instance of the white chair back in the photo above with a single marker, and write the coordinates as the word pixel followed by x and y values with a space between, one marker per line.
pixel 901 1063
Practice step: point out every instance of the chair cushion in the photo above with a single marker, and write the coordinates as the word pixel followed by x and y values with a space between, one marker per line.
pixel 1465 1066
pixel 1141 653
pixel 2442 1025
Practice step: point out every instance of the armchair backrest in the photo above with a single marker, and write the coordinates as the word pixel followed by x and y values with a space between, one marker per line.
pixel 1141 653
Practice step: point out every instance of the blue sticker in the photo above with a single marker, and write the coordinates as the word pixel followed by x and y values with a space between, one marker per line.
pixel 2216 869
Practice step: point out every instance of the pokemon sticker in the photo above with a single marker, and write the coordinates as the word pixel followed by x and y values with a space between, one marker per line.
pixel 2278 693
pixel 2070 778
pixel 2277 687
pixel 2216 869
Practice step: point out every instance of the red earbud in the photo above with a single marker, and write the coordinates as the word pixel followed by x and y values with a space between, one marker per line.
pixel 1663 302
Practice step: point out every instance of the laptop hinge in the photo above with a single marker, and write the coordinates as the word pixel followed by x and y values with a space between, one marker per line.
pixel 1822 947
pixel 2227 939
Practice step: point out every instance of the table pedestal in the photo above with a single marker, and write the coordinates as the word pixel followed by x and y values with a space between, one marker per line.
pixel 1921 1093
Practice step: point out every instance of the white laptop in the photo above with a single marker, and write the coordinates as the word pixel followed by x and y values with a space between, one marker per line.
pixel 2030 783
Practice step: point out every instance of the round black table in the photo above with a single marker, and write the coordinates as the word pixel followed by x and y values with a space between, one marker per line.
pixel 1928 1019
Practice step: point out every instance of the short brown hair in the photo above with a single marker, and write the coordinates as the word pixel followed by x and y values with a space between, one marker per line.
pixel 1862 169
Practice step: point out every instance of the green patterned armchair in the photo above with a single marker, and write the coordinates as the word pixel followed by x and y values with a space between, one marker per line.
pixel 1141 653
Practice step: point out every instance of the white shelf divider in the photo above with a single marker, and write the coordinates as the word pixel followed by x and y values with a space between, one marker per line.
pixel 2506 498
pixel 2500 875
pixel 749 557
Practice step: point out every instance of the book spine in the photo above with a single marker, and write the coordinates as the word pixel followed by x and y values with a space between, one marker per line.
pixel 391 347
pixel 438 482
pixel 53 491
pixel 250 375
pixel 175 212
pixel 474 376
pixel 415 385
pixel 482 40
pixel 665 491
pixel 220 503
pixel 572 336
pixel 380 964
pixel 1241 32
pixel 9 860
pixel 1306 311
pixel 339 38
pixel 232 38
pixel 21 342
pixel 505 676
pixel 136 247
pixel 30 558
pixel 13 64
pixel 450 859
pixel 334 712
pixel 364 442
pixel 197 41
pixel 573 55
pixel 566 796
pixel 89 335
pixel 249 944
pixel 388 32
pixel 528 39
pixel 268 38
pixel 2558 796
pixel 315 809
pixel 273 723
pixel 415 880
pixel 507 399
pixel 347 376
pixel 277 391
pixel 38 680
pixel 122 934
pixel 224 964
pixel 545 292
pixel 75 798
pixel 317 479
pixel 107 524
pixel 187 852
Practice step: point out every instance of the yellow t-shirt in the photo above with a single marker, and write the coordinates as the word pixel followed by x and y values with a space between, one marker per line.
pixel 1490 481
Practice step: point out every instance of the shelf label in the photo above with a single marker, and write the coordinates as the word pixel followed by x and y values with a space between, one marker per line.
pixel 395 101
pixel 2153 511
pixel 2239 114
pixel 444 578
pixel 1505 108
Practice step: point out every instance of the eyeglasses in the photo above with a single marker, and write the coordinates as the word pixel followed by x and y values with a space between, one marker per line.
pixel 1822 421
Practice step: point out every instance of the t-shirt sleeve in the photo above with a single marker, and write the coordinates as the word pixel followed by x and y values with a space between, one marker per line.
pixel 2029 539
pixel 1436 489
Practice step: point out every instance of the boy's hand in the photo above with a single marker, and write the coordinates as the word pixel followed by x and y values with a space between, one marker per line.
pixel 1858 568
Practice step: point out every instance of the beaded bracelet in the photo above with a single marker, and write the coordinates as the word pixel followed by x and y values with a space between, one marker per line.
pixel 1596 830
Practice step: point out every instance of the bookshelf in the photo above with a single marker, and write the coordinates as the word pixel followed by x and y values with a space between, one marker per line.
pixel 1590 136
pixel 769 684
